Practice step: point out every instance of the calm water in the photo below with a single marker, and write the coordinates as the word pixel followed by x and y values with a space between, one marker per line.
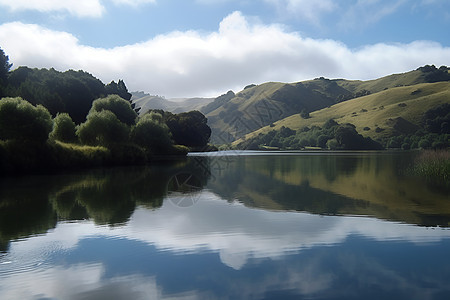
pixel 272 226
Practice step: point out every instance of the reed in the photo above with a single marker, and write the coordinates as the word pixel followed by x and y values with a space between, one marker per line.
pixel 433 164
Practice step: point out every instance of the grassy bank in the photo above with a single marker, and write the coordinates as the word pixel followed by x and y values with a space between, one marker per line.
pixel 24 157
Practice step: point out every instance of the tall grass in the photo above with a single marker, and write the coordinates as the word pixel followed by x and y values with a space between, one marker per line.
pixel 433 164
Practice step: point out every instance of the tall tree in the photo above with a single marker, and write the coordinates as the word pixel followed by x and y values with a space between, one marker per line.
pixel 118 89
pixel 5 66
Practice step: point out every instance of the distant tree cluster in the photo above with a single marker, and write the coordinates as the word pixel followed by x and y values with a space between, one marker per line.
pixel 434 132
pixel 189 129
pixel 331 136
pixel 433 74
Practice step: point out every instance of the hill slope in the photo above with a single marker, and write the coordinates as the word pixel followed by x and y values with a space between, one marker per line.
pixel 393 111
pixel 232 116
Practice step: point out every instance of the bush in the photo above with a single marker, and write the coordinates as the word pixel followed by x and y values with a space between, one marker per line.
pixel 103 129
pixel 63 128
pixel 152 135
pixel 118 106
pixel 21 121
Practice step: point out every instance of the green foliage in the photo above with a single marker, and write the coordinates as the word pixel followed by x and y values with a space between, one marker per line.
pixel 63 128
pixel 102 129
pixel 21 121
pixel 118 106
pixel 189 129
pixel 437 120
pixel 118 89
pixel 433 165
pixel 304 114
pixel 349 139
pixel 152 134
pixel 331 136
pixel 5 66
pixel 433 74
pixel 71 91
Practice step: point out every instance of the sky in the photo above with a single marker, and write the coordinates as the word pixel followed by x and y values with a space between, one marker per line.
pixel 204 48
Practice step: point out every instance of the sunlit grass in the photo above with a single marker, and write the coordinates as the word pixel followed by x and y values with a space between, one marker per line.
pixel 373 111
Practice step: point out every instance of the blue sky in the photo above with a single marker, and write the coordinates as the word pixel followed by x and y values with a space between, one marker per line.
pixel 186 48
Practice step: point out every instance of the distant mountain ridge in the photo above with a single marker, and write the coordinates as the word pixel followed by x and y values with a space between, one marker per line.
pixel 145 102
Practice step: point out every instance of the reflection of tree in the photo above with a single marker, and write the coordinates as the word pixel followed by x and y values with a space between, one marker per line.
pixel 342 184
pixel 24 209
pixel 32 205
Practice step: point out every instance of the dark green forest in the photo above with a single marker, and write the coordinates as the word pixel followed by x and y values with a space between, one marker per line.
pixel 51 120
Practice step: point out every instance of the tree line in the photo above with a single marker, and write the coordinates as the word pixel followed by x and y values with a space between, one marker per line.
pixel 51 119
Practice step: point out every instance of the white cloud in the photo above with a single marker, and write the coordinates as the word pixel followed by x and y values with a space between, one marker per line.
pixel 191 63
pixel 79 8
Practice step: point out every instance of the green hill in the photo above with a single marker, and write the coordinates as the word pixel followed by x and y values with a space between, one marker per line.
pixel 232 116
pixel 391 112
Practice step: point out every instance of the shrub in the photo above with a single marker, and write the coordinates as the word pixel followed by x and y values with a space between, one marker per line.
pixel 118 106
pixel 102 129
pixel 63 128
pixel 21 121
pixel 152 135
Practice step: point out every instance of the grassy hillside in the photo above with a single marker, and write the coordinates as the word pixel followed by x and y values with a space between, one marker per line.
pixel 393 111
pixel 261 105
pixel 232 116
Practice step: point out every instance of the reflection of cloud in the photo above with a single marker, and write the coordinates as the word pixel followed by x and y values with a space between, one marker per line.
pixel 84 281
pixel 231 229
pixel 234 231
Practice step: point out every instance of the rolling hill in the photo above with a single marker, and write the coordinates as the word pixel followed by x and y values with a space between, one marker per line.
pixel 259 108
pixel 387 113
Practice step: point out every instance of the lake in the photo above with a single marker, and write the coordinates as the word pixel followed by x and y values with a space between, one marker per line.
pixel 229 225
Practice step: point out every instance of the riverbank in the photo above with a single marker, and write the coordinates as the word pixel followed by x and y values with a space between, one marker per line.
pixel 25 158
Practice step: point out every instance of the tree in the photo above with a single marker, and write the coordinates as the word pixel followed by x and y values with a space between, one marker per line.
pixel 21 121
pixel 63 128
pixel 102 129
pixel 118 89
pixel 349 139
pixel 5 66
pixel 189 129
pixel 152 134
pixel 118 106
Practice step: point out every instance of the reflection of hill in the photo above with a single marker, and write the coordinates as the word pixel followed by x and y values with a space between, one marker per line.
pixel 349 185
pixel 32 205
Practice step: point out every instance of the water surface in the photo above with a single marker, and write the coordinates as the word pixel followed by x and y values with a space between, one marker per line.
pixel 234 226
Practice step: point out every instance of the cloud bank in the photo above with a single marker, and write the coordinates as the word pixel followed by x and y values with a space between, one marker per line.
pixel 192 63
